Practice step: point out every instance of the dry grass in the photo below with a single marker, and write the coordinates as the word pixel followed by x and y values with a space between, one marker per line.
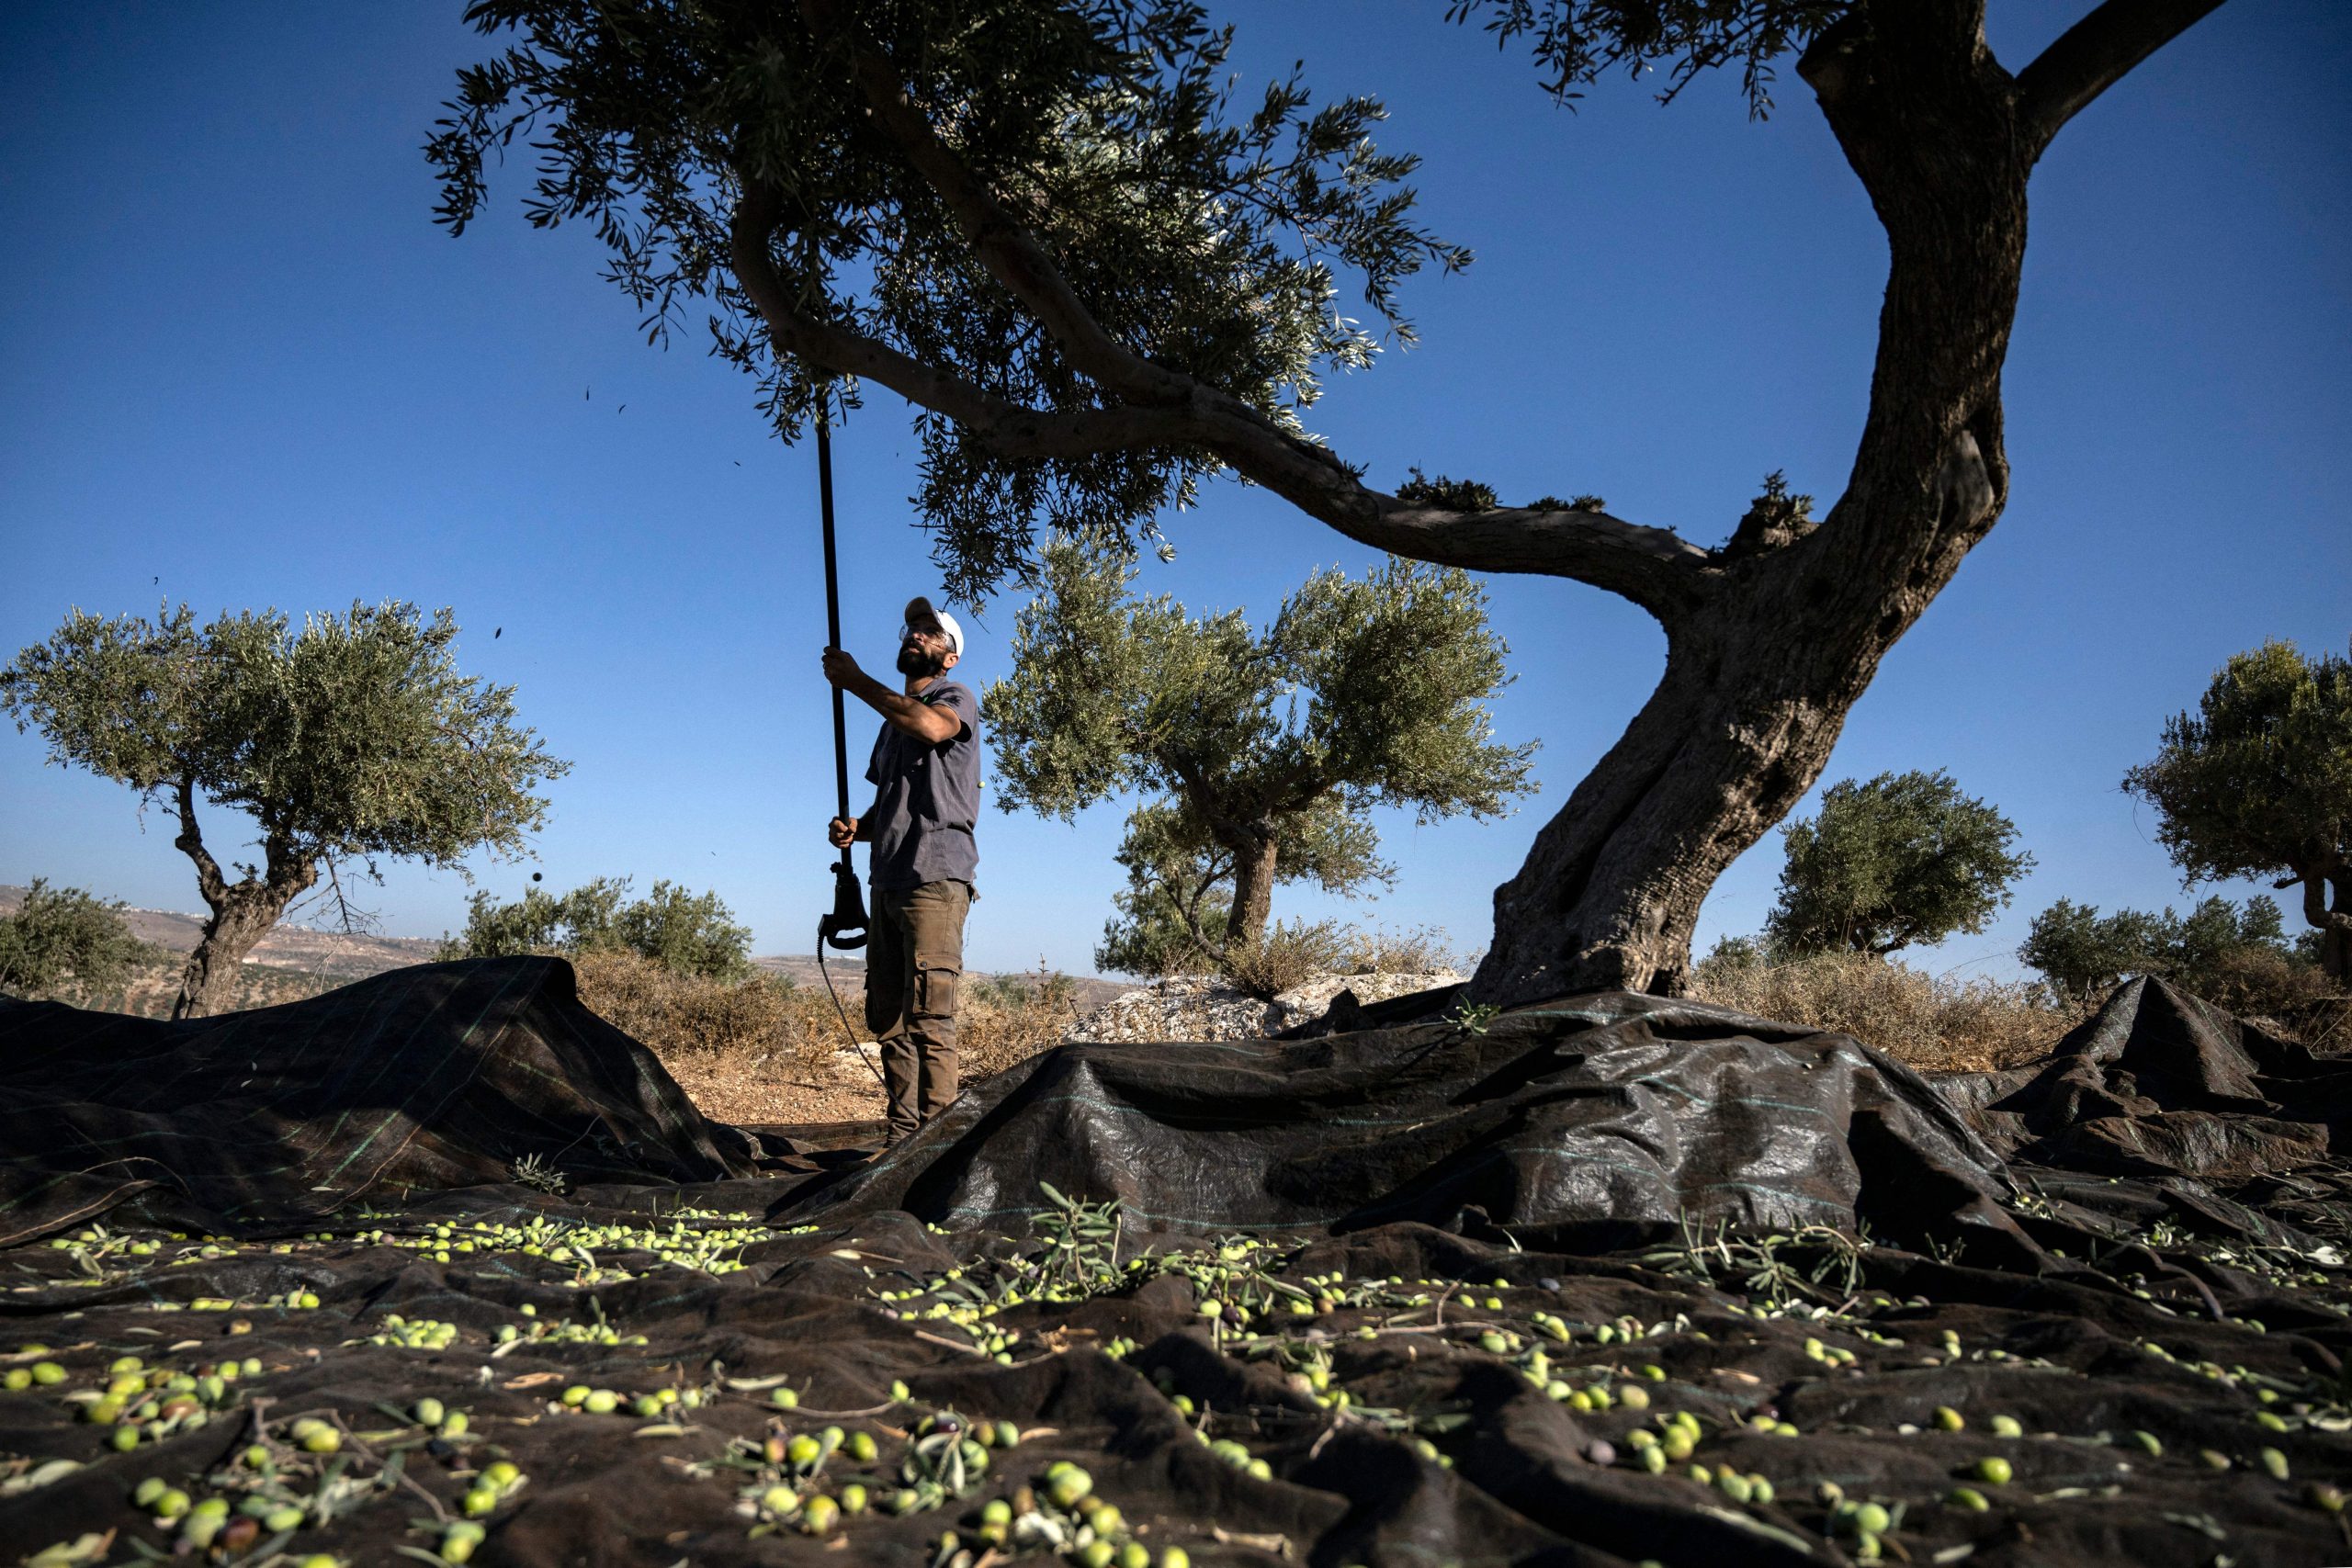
pixel 766 1051
pixel 1293 953
pixel 1933 1022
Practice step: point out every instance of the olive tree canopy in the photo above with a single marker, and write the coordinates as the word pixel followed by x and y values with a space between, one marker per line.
pixel 2258 782
pixel 349 739
pixel 1100 273
pixel 1905 859
pixel 1270 749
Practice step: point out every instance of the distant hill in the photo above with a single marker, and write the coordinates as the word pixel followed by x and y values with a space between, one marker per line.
pixel 340 959
pixel 331 954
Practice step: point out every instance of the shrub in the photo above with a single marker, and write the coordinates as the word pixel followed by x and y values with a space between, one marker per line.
pixel 1932 1022
pixel 63 944
pixel 1416 950
pixel 686 933
pixel 680 1012
pixel 1291 953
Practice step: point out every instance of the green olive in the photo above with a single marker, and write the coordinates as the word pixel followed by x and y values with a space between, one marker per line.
pixel 429 1412
pixel 1993 1468
pixel 1950 1420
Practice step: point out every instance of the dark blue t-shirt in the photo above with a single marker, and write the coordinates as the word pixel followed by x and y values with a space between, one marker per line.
pixel 926 797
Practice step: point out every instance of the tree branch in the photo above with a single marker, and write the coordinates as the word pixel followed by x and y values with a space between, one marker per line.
pixel 2315 881
pixel 1655 567
pixel 1008 429
pixel 2092 56
pixel 190 842
pixel 1163 408
pixel 1005 246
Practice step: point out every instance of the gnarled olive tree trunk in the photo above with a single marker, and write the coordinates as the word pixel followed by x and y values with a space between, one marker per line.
pixel 243 911
pixel 1783 630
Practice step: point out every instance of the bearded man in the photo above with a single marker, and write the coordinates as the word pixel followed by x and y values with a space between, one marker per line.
pixel 926 776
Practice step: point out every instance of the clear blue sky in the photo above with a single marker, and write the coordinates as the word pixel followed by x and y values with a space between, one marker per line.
pixel 239 366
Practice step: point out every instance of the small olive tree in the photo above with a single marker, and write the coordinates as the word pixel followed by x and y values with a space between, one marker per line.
pixel 63 943
pixel 2258 782
pixel 687 933
pixel 1906 858
pixel 351 739
pixel 2081 953
pixel 1269 748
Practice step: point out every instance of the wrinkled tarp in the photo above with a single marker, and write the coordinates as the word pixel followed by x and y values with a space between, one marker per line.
pixel 435 1076
pixel 1602 1121
pixel 1555 1130
pixel 2162 1083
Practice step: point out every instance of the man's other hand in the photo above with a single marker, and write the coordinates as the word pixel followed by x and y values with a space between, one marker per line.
pixel 841 831
pixel 840 667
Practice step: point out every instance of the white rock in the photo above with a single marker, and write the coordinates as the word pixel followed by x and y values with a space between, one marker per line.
pixel 1201 1007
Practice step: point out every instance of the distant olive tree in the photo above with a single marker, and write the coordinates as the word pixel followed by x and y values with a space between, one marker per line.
pixel 1905 859
pixel 2258 782
pixel 1268 749
pixel 350 738
pixel 62 943
pixel 688 933
pixel 2080 953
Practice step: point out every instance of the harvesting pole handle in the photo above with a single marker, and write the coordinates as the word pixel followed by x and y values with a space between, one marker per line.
pixel 846 927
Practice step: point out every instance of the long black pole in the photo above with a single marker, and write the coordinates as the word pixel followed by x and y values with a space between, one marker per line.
pixel 846 927
pixel 832 611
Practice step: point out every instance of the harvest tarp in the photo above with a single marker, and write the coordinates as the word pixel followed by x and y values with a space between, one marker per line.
pixel 1485 1261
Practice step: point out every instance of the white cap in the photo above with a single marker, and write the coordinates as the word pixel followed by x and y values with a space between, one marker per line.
pixel 918 605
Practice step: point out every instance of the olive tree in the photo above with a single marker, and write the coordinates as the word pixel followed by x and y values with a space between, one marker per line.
pixel 1904 858
pixel 686 933
pixel 1270 748
pixel 2081 953
pixel 1101 274
pixel 349 739
pixel 62 942
pixel 2258 782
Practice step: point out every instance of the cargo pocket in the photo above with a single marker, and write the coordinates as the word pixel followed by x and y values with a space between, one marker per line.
pixel 935 992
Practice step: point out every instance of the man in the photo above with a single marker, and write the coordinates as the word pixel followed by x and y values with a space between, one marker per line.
pixel 926 776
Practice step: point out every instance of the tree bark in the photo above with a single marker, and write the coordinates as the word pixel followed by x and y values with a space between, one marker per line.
pixel 1255 852
pixel 2334 924
pixel 243 911
pixel 1761 674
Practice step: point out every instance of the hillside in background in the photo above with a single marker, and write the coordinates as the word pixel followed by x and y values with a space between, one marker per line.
pixel 295 961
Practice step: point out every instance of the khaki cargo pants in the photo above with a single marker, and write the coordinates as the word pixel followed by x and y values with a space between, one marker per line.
pixel 914 960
